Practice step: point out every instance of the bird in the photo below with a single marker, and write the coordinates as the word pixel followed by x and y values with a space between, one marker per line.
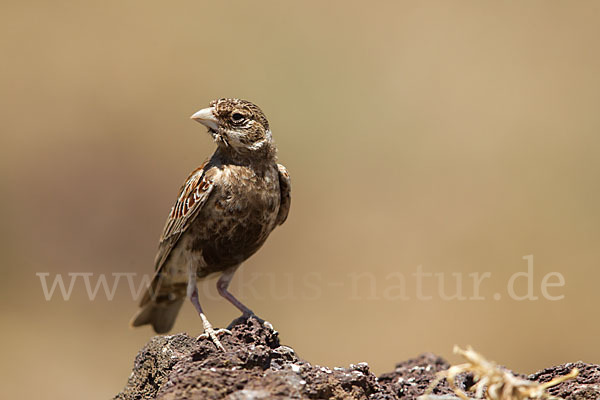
pixel 224 212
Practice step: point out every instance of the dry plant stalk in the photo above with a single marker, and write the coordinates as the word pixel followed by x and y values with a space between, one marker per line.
pixel 494 382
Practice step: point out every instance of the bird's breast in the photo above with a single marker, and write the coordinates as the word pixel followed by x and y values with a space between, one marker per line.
pixel 239 215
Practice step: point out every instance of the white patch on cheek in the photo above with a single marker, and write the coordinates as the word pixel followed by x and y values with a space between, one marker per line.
pixel 257 145
pixel 234 138
pixel 234 135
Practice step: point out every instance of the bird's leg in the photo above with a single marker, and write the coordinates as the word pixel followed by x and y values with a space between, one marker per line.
pixel 192 293
pixel 222 285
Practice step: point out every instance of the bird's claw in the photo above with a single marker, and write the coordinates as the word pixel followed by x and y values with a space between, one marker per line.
pixel 212 335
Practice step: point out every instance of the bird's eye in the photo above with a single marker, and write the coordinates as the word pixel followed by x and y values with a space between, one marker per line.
pixel 237 117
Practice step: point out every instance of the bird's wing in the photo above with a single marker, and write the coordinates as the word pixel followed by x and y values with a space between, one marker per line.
pixel 285 187
pixel 192 196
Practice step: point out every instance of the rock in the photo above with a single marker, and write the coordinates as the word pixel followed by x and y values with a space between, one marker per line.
pixel 586 386
pixel 256 366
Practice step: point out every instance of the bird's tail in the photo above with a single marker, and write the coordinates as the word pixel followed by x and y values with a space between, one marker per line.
pixel 159 307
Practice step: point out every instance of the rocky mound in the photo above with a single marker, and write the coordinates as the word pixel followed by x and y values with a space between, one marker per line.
pixel 256 366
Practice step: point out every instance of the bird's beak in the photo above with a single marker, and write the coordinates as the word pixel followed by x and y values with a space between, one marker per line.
pixel 206 117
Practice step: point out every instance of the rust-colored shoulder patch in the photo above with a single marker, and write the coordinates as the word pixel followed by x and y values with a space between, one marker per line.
pixel 192 196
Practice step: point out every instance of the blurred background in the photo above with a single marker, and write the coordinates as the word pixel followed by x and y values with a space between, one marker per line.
pixel 455 136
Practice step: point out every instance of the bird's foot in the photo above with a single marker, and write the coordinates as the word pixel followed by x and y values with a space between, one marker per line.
pixel 211 333
pixel 245 317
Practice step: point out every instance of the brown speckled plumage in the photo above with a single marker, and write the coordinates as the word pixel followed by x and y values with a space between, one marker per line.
pixel 225 211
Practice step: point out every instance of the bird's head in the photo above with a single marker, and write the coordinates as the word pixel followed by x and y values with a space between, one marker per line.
pixel 237 126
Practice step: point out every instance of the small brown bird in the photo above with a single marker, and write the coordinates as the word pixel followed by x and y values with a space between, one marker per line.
pixel 225 211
